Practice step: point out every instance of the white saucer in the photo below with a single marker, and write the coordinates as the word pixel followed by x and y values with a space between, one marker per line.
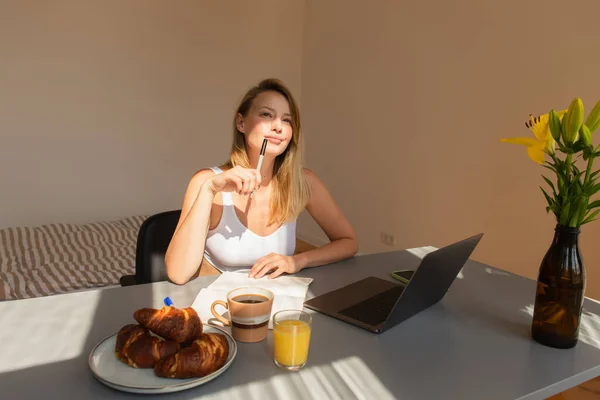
pixel 111 371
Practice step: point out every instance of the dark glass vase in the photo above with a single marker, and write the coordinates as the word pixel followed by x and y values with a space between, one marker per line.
pixel 560 291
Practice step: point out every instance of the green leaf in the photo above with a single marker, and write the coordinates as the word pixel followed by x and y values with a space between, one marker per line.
pixel 594 189
pixel 548 198
pixel 575 185
pixel 561 184
pixel 577 174
pixel 554 210
pixel 557 160
pixel 589 185
pixel 581 211
pixel 590 218
pixel 593 175
pixel 586 154
pixel 564 217
pixel 578 146
pixel 590 182
pixel 594 204
pixel 565 150
pixel 584 210
pixel 574 219
pixel 551 167
pixel 549 182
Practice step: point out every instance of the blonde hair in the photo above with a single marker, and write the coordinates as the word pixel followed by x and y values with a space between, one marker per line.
pixel 291 190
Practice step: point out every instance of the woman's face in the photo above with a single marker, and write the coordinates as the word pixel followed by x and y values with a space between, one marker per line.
pixel 268 117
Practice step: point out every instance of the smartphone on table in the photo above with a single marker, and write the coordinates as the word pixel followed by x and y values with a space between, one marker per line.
pixel 403 275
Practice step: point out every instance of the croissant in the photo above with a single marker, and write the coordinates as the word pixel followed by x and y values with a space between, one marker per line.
pixel 180 325
pixel 137 348
pixel 202 357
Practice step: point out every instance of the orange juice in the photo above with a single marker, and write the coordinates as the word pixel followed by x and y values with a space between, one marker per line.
pixel 291 342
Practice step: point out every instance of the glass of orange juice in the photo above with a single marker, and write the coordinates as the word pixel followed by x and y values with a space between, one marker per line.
pixel 291 338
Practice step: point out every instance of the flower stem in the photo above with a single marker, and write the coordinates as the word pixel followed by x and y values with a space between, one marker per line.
pixel 567 177
pixel 588 171
pixel 569 161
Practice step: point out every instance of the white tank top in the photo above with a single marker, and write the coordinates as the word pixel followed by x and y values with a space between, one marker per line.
pixel 231 246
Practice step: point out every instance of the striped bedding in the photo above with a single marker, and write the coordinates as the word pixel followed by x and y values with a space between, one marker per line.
pixel 61 258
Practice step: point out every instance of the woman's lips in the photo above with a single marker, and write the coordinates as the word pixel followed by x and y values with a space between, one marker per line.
pixel 273 140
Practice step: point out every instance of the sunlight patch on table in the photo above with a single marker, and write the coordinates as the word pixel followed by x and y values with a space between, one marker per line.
pixel 589 330
pixel 345 379
pixel 421 252
pixel 39 341
pixel 493 271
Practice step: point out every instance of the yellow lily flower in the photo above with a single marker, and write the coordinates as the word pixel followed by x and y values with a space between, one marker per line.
pixel 543 143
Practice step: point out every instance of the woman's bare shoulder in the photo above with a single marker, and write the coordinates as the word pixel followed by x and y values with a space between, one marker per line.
pixel 311 177
pixel 196 182
pixel 200 176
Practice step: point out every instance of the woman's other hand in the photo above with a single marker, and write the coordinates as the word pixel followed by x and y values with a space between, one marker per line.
pixel 274 263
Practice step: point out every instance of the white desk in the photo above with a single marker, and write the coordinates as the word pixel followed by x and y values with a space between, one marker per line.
pixel 474 344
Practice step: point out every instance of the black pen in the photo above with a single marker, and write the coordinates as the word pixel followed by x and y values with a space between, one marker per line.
pixel 260 158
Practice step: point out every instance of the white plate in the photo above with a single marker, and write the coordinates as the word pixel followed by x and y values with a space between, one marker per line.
pixel 111 371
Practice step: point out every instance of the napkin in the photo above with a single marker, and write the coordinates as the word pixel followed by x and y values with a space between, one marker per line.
pixel 290 293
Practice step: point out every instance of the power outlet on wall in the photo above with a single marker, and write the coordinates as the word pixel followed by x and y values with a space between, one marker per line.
pixel 388 239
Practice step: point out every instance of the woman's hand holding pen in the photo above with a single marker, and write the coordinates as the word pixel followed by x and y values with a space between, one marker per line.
pixel 242 180
pixel 238 179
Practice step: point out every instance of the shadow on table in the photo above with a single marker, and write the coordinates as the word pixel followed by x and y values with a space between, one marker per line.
pixel 498 299
pixel 503 303
pixel 254 377
pixel 487 300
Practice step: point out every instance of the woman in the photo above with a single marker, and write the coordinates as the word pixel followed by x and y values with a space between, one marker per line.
pixel 237 217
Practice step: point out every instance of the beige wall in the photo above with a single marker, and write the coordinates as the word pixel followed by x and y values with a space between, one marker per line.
pixel 404 104
pixel 108 107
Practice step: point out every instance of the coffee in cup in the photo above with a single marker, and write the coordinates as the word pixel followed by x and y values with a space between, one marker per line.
pixel 249 313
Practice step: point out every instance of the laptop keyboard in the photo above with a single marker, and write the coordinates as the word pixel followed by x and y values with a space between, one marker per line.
pixel 376 309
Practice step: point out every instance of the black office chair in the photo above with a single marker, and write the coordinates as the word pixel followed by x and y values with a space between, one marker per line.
pixel 153 240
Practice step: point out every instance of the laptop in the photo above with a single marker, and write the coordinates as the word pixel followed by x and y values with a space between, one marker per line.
pixel 378 304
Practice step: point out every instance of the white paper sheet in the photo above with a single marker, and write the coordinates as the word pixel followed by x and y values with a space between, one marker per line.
pixel 290 293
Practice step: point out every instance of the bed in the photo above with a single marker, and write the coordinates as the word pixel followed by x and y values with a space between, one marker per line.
pixel 61 258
